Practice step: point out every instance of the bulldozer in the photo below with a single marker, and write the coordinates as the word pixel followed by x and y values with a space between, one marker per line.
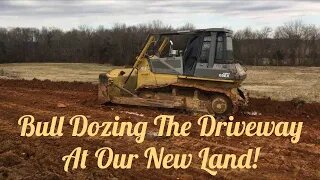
pixel 199 74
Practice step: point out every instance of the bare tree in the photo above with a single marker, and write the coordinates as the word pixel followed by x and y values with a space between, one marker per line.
pixel 293 42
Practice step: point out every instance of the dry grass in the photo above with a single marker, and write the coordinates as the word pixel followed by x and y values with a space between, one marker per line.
pixel 55 71
pixel 280 83
pixel 284 83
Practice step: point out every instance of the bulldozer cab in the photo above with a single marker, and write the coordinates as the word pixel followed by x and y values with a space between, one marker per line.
pixel 205 53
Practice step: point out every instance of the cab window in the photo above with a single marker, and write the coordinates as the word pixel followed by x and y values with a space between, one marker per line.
pixel 219 50
pixel 229 53
pixel 205 50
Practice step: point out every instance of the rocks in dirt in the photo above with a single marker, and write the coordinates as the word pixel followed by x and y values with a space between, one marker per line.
pixel 61 105
pixel 253 113
pixel 26 151
pixel 133 113
pixel 152 135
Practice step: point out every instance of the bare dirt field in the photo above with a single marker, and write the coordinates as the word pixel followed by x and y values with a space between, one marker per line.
pixel 40 157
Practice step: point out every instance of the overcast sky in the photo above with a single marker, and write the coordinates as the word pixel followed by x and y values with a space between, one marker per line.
pixel 233 14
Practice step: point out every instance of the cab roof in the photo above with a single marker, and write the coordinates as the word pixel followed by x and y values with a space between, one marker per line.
pixel 196 31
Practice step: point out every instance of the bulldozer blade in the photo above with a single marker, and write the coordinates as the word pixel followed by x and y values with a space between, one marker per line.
pixel 103 95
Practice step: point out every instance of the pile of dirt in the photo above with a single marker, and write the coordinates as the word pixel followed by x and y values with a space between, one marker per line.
pixel 47 84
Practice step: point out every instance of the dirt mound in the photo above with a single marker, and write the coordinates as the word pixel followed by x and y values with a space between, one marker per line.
pixel 47 84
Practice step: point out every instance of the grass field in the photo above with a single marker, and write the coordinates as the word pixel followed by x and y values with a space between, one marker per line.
pixel 54 71
pixel 279 83
pixel 284 83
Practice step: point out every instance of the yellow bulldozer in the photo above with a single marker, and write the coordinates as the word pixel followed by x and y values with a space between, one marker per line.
pixel 198 74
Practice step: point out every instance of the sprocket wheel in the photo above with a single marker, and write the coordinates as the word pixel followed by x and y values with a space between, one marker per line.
pixel 220 105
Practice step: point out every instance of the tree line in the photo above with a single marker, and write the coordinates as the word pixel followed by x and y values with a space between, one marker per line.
pixel 293 43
